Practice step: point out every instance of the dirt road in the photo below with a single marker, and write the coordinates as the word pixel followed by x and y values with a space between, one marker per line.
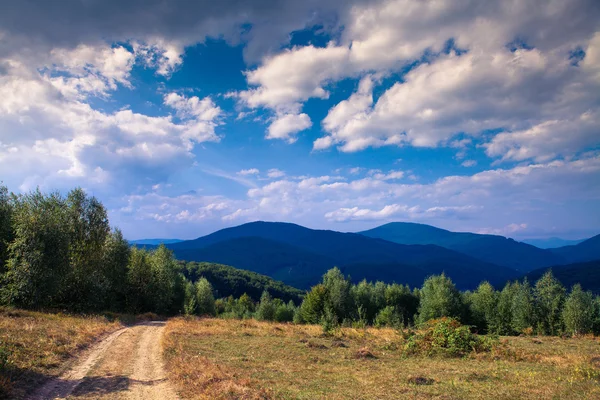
pixel 125 365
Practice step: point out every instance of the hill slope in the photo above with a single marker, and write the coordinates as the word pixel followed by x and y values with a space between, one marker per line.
pixel 299 256
pixel 230 281
pixel 587 274
pixel 588 250
pixel 489 248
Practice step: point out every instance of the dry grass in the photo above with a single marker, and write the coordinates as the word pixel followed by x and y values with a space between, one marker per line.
pixel 226 359
pixel 39 345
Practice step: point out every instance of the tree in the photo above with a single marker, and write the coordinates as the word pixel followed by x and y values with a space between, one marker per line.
pixel 503 321
pixel 312 308
pixel 404 301
pixel 205 297
pixel 164 279
pixel 190 304
pixel 139 281
pixel 114 270
pixel 550 298
pixel 523 308
pixel 578 313
pixel 484 303
pixel 38 262
pixel 6 226
pixel 285 312
pixel 339 299
pixel 439 298
pixel 266 308
pixel 364 303
pixel 88 229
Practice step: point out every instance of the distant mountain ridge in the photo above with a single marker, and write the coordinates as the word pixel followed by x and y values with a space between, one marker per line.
pixel 494 249
pixel 588 250
pixel 299 256
pixel 551 243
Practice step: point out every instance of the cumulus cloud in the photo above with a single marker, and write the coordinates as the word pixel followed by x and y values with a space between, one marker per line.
pixel 48 118
pixel 473 68
pixel 286 126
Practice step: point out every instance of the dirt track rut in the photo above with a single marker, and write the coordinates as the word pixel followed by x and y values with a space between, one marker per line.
pixel 125 365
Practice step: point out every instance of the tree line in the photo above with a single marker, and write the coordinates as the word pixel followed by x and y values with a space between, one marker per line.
pixel 545 308
pixel 60 252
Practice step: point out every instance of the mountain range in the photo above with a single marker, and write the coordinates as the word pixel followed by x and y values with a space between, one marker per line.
pixel 399 252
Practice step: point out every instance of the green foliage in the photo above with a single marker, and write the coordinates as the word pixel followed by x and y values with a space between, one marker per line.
pixel 6 226
pixel 579 312
pixel 38 263
pixel 205 298
pixel 388 316
pixel 338 298
pixel 483 302
pixel 114 266
pixel 439 298
pixel 88 228
pixel 404 301
pixel 190 304
pixel 228 281
pixel 266 308
pixel 446 337
pixel 312 308
pixel 285 312
pixel 523 308
pixel 550 298
pixel 503 322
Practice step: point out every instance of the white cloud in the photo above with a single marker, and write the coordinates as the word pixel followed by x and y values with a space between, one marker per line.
pixel 507 230
pixel 548 139
pixel 275 173
pixel 250 171
pixel 469 163
pixel 42 120
pixel 286 126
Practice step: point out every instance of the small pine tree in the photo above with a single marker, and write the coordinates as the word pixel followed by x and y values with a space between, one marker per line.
pixel 313 306
pixel 205 297
pixel 578 313
pixel 266 308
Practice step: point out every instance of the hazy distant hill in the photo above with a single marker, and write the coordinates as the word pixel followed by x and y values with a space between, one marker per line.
pixel 154 242
pixel 299 256
pixel 588 250
pixel 586 273
pixel 489 248
pixel 551 243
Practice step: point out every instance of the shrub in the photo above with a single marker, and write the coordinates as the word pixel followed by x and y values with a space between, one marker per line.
pixel 446 337
pixel 388 316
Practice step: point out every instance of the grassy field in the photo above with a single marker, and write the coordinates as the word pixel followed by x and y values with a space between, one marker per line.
pixel 35 346
pixel 213 358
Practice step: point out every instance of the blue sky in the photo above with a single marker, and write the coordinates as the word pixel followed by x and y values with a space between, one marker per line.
pixel 192 116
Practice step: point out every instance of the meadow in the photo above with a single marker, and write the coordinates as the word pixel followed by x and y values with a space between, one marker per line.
pixel 232 359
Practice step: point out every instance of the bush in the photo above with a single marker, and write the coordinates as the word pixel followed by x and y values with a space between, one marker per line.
pixel 388 316
pixel 447 337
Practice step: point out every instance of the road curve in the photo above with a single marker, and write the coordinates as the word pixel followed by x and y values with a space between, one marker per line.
pixel 125 365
